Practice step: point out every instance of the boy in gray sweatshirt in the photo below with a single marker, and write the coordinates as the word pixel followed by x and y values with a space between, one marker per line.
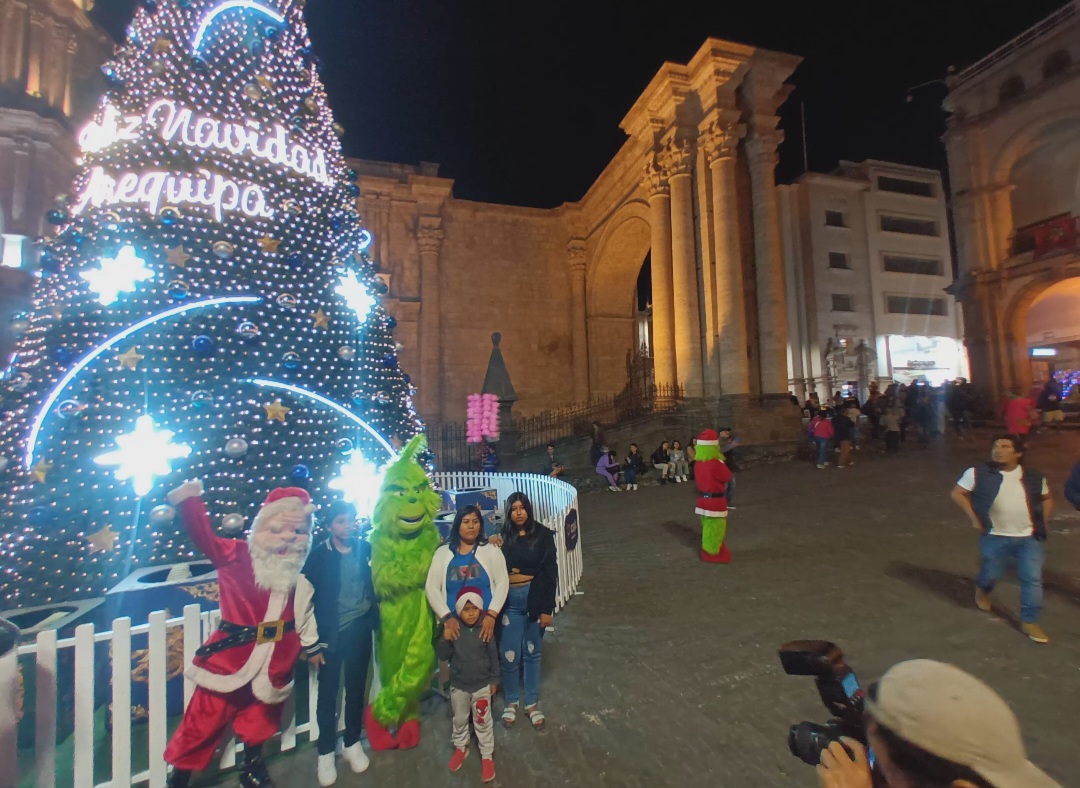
pixel 474 672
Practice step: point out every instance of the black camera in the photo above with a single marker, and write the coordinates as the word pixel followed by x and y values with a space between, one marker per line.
pixel 839 690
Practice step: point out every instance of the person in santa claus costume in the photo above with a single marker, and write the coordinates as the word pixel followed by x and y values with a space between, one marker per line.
pixel 244 671
pixel 712 476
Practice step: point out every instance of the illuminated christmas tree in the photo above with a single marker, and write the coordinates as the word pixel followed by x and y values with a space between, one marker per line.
pixel 206 310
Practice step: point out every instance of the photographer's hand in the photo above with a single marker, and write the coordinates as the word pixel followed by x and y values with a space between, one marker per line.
pixel 838 770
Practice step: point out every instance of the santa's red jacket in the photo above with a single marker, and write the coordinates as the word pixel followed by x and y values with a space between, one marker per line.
pixel 268 666
pixel 712 477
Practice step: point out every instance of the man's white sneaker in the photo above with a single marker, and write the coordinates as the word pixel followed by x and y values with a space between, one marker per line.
pixel 327 769
pixel 356 757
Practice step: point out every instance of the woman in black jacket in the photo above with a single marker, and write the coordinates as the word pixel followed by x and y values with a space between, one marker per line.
pixel 532 563
pixel 661 460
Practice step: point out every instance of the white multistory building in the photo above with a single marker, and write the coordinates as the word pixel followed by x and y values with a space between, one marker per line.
pixel 867 260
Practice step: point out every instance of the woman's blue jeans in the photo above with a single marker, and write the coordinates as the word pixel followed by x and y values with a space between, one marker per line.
pixel 521 644
pixel 631 475
pixel 1027 551
pixel 822 450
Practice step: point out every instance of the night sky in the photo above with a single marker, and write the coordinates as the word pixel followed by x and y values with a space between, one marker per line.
pixel 520 103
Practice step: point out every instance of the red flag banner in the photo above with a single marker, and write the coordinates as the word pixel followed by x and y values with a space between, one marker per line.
pixel 1055 236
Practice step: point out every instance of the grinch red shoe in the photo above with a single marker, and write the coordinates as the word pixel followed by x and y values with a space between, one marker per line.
pixel 725 554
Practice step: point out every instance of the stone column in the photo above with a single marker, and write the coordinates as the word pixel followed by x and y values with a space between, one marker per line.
pixel 37 53
pixel 429 236
pixel 680 160
pixel 721 145
pixel 769 262
pixel 578 325
pixel 69 76
pixel 663 304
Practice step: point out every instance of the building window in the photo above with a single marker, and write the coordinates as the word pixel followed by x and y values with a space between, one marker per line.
pixel 909 225
pixel 1058 63
pixel 1011 89
pixel 902 264
pixel 834 219
pixel 838 260
pixel 915 305
pixel 11 251
pixel 841 303
pixel 905 186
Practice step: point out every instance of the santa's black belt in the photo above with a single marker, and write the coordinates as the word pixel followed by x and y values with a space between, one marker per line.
pixel 711 495
pixel 240 635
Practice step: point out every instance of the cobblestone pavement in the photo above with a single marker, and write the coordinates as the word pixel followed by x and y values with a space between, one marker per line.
pixel 663 671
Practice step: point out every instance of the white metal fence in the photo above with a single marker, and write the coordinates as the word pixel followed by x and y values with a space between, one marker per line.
pixel 553 500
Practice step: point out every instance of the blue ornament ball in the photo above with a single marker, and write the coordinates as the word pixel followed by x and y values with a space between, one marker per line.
pixel 49 262
pixel 389 360
pixel 351 174
pixel 407 378
pixel 150 6
pixel 75 237
pixel 168 215
pixel 358 397
pixel 178 289
pixel 62 355
pixel 203 345
pixel 345 447
pixel 198 64
pixel 391 322
pixel 300 473
pixel 380 287
pixel 257 46
pixel 296 259
pixel 336 223
pixel 291 360
pixel 271 32
pixel 39 515
pixel 201 399
pixel 56 216
pixel 352 189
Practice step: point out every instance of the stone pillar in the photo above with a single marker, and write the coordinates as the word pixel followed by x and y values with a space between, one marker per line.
pixel 680 160
pixel 69 76
pixel 769 262
pixel 663 304
pixel 578 325
pixel 36 49
pixel 722 142
pixel 430 236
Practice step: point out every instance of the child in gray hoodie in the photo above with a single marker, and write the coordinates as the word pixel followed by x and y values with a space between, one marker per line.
pixel 474 672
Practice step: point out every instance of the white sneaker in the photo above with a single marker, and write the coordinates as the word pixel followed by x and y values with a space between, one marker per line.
pixel 356 757
pixel 613 488
pixel 635 486
pixel 327 769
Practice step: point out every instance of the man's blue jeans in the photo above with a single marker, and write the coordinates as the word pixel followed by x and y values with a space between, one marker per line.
pixel 822 450
pixel 521 644
pixel 1027 551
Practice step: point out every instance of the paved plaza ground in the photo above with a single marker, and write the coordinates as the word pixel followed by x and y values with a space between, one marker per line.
pixel 663 671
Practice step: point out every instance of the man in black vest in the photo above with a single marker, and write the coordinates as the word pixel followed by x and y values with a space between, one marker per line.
pixel 336 616
pixel 1009 505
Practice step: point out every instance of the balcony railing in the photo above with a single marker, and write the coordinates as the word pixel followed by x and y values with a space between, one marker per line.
pixel 1056 235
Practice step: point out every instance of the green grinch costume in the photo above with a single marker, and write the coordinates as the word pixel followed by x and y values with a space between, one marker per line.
pixel 712 475
pixel 402 543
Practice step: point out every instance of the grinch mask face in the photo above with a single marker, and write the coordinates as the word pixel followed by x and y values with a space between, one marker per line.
pixel 408 503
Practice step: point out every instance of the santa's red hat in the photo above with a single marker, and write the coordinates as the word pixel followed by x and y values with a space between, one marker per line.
pixel 282 499
pixel 469 594
pixel 708 438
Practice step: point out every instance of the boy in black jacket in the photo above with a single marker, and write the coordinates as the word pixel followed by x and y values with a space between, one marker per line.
pixel 474 672
pixel 336 617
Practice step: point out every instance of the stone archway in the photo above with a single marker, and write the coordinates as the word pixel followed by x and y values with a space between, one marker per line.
pixel 611 295
pixel 1026 295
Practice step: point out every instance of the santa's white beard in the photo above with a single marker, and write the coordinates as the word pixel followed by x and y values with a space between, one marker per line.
pixel 276 571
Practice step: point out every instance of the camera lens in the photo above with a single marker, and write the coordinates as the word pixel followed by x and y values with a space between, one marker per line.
pixel 806 740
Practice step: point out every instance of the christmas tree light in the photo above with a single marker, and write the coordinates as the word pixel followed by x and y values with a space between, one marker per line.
pixel 208 283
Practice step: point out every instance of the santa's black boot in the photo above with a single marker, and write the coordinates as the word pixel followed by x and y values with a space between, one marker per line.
pixel 180 778
pixel 253 773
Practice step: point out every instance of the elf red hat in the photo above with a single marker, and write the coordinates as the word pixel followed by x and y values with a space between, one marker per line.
pixel 469 594
pixel 708 438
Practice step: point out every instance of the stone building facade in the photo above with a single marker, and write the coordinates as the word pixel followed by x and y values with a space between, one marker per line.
pixel 1014 160
pixel 868 261
pixel 50 51
pixel 692 187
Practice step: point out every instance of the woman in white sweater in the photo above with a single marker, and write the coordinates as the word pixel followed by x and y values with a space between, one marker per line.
pixel 467 560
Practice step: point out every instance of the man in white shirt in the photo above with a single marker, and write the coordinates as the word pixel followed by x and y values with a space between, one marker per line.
pixel 1010 505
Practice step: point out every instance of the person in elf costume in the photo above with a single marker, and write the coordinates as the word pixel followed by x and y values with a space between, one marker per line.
pixel 403 542
pixel 244 671
pixel 712 475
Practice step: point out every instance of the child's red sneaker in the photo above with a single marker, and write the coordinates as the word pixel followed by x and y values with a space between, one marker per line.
pixel 458 758
pixel 487 769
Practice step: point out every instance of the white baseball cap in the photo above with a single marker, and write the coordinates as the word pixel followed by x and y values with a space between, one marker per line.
pixel 951 714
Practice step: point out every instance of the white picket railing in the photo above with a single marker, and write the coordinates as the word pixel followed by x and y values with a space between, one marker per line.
pixel 552 501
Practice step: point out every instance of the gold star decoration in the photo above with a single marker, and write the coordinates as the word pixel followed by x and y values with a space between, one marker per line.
pixel 269 244
pixel 130 358
pixel 275 411
pixel 322 320
pixel 177 256
pixel 102 541
pixel 40 470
